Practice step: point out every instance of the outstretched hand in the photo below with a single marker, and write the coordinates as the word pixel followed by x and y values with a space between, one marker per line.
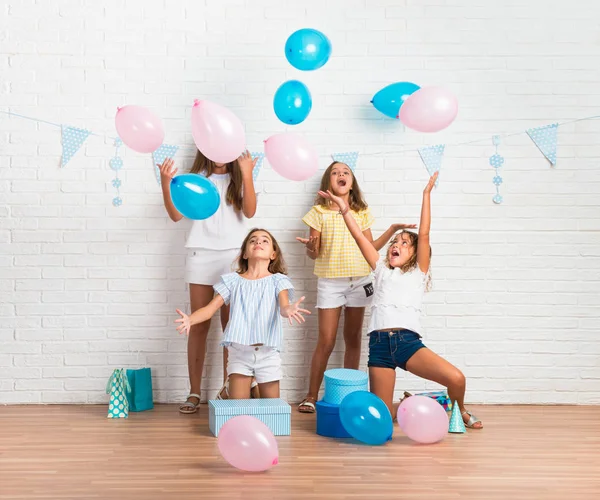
pixel 431 183
pixel 310 242
pixel 246 162
pixel 185 322
pixel 167 169
pixel 336 200
pixel 294 311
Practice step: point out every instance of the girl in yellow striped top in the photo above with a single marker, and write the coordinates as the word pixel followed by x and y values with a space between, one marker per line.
pixel 344 276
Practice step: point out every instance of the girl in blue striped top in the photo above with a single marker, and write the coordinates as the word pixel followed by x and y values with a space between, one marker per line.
pixel 259 294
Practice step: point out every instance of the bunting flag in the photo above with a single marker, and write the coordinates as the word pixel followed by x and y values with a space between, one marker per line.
pixel 431 156
pixel 545 138
pixel 350 158
pixel 163 152
pixel 72 139
pixel 259 164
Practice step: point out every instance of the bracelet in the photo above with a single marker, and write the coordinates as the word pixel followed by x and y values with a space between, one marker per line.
pixel 345 211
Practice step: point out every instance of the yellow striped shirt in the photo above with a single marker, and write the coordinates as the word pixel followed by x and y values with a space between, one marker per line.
pixel 339 256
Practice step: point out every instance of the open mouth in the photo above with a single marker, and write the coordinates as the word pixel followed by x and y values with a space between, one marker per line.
pixel 342 182
pixel 395 252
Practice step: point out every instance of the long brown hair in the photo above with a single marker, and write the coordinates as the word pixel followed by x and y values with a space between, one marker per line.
pixel 202 165
pixel 355 200
pixel 412 262
pixel 277 265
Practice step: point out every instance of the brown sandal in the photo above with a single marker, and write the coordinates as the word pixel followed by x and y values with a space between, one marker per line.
pixel 307 406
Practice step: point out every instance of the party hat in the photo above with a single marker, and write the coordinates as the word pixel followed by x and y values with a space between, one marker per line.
pixel 457 424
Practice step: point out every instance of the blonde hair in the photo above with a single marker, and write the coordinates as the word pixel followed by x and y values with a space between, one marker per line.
pixel 234 191
pixel 355 199
pixel 276 266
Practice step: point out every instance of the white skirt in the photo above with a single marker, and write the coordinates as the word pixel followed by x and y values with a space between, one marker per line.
pixel 205 267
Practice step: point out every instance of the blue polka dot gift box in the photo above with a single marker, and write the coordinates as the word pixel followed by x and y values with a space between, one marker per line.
pixel 117 387
pixel 340 382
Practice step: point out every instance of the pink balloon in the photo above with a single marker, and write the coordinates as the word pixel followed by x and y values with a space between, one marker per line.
pixel 291 156
pixel 248 444
pixel 217 132
pixel 139 128
pixel 429 109
pixel 423 419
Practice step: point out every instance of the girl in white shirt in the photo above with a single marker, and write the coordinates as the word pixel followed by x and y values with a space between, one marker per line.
pixel 395 329
pixel 259 295
pixel 213 245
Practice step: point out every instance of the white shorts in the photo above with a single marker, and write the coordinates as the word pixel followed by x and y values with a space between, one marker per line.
pixel 205 267
pixel 349 292
pixel 261 362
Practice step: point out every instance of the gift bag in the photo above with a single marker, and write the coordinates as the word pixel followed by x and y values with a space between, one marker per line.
pixel 140 397
pixel 117 387
pixel 441 397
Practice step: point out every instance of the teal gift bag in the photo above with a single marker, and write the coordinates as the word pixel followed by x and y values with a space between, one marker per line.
pixel 118 387
pixel 140 397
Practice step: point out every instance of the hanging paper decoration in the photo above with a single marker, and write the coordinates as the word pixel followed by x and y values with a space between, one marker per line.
pixel 350 158
pixel 431 156
pixel 116 164
pixel 497 161
pixel 72 139
pixel 545 138
pixel 259 164
pixel 163 152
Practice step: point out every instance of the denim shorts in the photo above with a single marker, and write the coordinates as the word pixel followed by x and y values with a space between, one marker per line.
pixel 392 349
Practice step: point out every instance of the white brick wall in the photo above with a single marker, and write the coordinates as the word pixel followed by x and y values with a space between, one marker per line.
pixel 85 287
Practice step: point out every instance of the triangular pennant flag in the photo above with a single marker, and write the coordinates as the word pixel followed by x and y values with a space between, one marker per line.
pixel 349 158
pixel 457 424
pixel 545 139
pixel 158 156
pixel 72 139
pixel 431 156
pixel 259 164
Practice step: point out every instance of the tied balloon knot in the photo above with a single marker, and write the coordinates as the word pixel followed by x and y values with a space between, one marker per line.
pixel 197 102
pixel 119 108
pixel 275 461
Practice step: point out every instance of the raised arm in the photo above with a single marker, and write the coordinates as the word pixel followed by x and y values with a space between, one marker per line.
pixel 200 315
pixel 369 252
pixel 423 248
pixel 247 165
pixel 291 311
pixel 167 172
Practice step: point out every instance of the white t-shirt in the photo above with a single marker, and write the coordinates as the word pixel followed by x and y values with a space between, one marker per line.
pixel 225 229
pixel 398 298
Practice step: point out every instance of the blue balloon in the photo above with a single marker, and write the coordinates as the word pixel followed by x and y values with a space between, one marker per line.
pixel 366 418
pixel 307 49
pixel 195 196
pixel 292 102
pixel 390 99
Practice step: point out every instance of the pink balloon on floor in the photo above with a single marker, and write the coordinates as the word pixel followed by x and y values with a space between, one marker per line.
pixel 248 444
pixel 291 156
pixel 429 109
pixel 422 419
pixel 139 128
pixel 217 132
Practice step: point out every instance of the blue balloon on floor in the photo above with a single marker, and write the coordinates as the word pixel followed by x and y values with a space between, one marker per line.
pixel 195 196
pixel 307 49
pixel 366 418
pixel 389 99
pixel 292 102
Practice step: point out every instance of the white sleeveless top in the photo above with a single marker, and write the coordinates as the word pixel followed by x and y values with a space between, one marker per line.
pixel 398 298
pixel 224 230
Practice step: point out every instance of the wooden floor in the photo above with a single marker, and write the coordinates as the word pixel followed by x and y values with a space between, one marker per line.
pixel 74 452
